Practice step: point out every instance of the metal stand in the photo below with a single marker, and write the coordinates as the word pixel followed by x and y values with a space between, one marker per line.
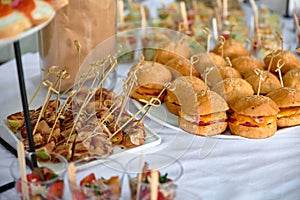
pixel 24 99
pixel 287 9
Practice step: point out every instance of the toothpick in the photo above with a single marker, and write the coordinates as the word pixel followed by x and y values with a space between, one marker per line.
pixel 194 59
pixel 280 39
pixel 261 78
pixel 143 20
pixel 184 15
pixel 255 11
pixel 42 111
pixel 225 9
pixel 215 29
pixel 228 62
pixel 59 113
pixel 273 54
pixel 121 11
pixel 279 66
pixel 22 163
pixel 207 32
pixel 296 22
pixel 222 42
pixel 72 177
pixel 206 72
pixel 154 183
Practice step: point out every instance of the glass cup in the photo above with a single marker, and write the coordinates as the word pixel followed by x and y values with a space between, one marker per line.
pixel 44 181
pixel 97 178
pixel 169 169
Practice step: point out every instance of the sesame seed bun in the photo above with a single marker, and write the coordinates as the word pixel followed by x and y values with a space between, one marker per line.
pixel 231 49
pixel 246 64
pixel 292 78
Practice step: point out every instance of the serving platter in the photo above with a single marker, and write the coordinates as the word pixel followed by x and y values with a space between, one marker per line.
pixel 151 140
pixel 32 30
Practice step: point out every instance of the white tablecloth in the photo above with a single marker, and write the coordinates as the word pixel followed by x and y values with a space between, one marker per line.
pixel 216 169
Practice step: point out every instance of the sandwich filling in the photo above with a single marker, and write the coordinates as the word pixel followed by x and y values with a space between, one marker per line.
pixel 205 120
pixel 251 121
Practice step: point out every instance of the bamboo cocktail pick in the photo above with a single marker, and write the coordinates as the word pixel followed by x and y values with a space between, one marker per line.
pixel 22 163
pixel 184 16
pixel 207 32
pixel 261 78
pixel 72 177
pixel 154 183
pixel 280 64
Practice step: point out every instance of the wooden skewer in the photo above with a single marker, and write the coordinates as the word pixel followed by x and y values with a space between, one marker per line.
pixel 154 183
pixel 22 163
pixel 215 29
pixel 280 64
pixel 296 22
pixel 72 177
pixel 184 16
pixel 261 78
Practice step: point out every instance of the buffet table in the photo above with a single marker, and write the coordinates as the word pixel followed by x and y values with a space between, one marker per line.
pixel 214 168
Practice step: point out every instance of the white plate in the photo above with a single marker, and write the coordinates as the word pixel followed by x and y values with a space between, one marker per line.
pixel 162 116
pixel 5 41
pixel 151 140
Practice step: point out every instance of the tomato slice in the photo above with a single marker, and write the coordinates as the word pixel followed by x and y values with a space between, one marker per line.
pixel 32 178
pixel 56 190
pixel 88 180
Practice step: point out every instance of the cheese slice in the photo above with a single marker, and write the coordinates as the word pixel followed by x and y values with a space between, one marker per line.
pixel 256 121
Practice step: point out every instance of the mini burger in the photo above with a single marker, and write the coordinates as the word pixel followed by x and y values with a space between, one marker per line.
pixel 288 101
pixel 231 49
pixel 207 60
pixel 181 88
pixel 181 66
pixel 171 49
pixel 287 58
pixel 292 78
pixel 246 64
pixel 214 75
pixel 232 89
pixel 206 117
pixel 269 81
pixel 254 117
pixel 150 80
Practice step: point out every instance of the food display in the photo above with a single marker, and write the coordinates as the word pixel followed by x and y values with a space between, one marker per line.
pixel 99 188
pixel 96 132
pixel 45 181
pixel 166 187
pixel 19 16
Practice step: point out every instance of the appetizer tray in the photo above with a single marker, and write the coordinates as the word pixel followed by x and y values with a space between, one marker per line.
pixel 26 33
pixel 162 116
pixel 151 140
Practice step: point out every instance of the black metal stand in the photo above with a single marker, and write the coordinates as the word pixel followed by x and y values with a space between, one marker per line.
pixel 287 9
pixel 24 99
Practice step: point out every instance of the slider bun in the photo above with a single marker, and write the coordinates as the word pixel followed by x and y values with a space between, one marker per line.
pixel 292 78
pixel 255 105
pixel 253 132
pixel 232 89
pixel 270 82
pixel 13 24
pixel 217 74
pixel 246 64
pixel 208 60
pixel 180 66
pixel 184 89
pixel 231 49
pixel 171 49
pixel 291 61
pixel 151 78
pixel 209 130
pixel 287 99
pixel 207 102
